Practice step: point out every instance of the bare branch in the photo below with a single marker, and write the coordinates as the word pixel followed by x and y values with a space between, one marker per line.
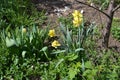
pixel 116 8
pixel 94 8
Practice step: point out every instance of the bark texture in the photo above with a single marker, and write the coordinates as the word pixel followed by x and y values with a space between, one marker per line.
pixel 108 26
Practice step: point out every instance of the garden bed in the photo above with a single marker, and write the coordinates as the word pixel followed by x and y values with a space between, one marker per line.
pixel 57 40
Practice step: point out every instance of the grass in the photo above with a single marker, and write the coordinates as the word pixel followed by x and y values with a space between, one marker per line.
pixel 116 28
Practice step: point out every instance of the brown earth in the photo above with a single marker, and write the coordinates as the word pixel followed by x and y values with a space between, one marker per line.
pixel 56 8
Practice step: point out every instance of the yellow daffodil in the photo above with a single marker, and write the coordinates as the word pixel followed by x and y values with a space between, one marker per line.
pixel 77 21
pixel 77 18
pixel 76 13
pixel 55 44
pixel 24 30
pixel 51 33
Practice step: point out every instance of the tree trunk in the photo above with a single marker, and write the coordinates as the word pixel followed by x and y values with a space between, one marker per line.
pixel 106 33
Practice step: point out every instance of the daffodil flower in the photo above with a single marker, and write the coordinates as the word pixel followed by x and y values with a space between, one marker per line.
pixel 24 30
pixel 55 44
pixel 77 18
pixel 77 21
pixel 76 13
pixel 51 33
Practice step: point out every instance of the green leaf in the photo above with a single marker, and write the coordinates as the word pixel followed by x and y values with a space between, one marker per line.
pixel 83 65
pixel 72 73
pixel 88 64
pixel 16 61
pixel 63 29
pixel 31 38
pixel 94 71
pixel 114 74
pixel 58 51
pixel 10 42
pixel 87 72
pixel 44 49
pixel 18 40
pixel 72 57
pixel 79 49
pixel 69 39
pixel 60 61
pixel 23 54
pixel 78 65
pixel 90 74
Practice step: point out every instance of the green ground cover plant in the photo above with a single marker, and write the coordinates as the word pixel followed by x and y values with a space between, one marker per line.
pixel 14 13
pixel 116 28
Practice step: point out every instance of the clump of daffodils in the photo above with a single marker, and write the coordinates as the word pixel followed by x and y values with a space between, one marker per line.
pixel 55 44
pixel 52 33
pixel 77 18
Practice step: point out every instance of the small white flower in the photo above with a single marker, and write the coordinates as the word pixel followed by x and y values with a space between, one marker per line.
pixel 92 4
pixel 82 11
